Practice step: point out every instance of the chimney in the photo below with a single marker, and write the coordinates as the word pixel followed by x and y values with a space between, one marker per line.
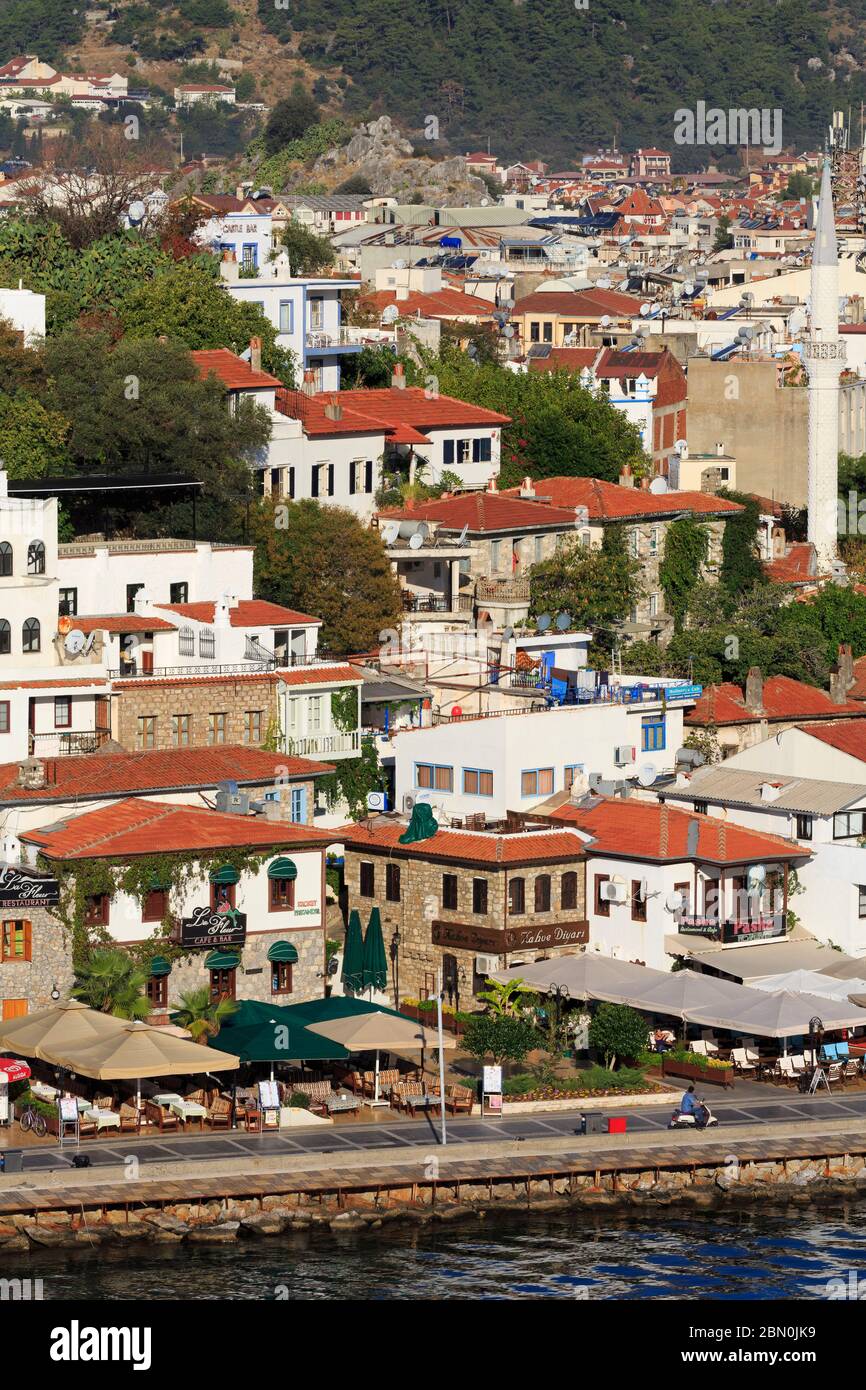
pixel 222 610
pixel 644 484
pixel 579 786
pixel 720 449
pixel 527 488
pixel 626 477
pixel 256 354
pixel 841 677
pixel 491 485
pixel 398 379
pixel 309 386
pixel 755 691
pixel 401 294
pixel 333 409
pixel 32 775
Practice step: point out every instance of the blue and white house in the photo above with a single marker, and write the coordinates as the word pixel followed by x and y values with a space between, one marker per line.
pixel 305 311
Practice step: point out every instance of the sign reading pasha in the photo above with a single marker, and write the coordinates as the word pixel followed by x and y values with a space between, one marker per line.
pixel 23 888
pixel 207 927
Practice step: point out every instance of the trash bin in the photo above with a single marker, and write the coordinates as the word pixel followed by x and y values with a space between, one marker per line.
pixel 593 1123
pixel 616 1124
pixel 12 1161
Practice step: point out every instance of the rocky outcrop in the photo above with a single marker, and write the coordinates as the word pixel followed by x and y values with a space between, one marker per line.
pixel 386 160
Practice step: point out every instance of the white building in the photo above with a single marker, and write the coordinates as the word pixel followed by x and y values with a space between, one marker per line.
pixel 25 310
pixel 204 94
pixel 513 761
pixel 95 576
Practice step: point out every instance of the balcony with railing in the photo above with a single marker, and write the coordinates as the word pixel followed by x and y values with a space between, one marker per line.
pixel 57 744
pixel 332 744
pixel 502 590
pixel 339 340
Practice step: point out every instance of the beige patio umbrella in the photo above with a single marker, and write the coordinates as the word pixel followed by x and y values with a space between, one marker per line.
pixel 70 1023
pixel 136 1050
pixel 383 1033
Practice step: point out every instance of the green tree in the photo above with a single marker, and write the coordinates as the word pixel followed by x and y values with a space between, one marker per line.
pixel 617 1031
pixel 201 1015
pixel 354 591
pixel 596 587
pixel 110 981
pixel 503 1038
pixel 32 439
pixel 289 119
pixel 504 998
pixel 799 186
pixel 723 240
pixel 686 545
pixel 308 254
pixel 741 565
pixel 353 779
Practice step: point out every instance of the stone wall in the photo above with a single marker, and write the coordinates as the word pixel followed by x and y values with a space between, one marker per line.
pixel 421 917
pixel 49 968
pixel 199 699
pixel 253 977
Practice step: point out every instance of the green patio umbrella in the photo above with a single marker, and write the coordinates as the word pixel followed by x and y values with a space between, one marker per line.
pixel 353 953
pixel 375 973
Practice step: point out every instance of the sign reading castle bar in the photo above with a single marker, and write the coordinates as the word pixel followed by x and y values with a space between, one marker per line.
pixel 24 888
pixel 209 928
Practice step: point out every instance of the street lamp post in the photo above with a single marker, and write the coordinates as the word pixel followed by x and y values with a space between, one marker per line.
pixel 395 965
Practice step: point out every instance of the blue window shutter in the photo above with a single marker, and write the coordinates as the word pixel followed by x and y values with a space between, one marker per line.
pixel 368 476
pixel 476 451
pixel 448 451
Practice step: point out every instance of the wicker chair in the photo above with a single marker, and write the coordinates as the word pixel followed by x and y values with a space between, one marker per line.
pixel 161 1118
pixel 459 1100
pixel 220 1113
pixel 130 1119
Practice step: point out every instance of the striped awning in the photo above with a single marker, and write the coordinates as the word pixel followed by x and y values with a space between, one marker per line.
pixel 283 868
pixel 222 960
pixel 227 874
pixel 160 966
pixel 283 953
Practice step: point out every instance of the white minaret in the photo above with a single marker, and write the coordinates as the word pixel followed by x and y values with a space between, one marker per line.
pixel 825 357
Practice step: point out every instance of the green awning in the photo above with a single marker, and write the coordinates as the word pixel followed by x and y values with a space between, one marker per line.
pixel 225 875
pixel 160 966
pixel 283 953
pixel 222 960
pixel 283 868
pixel 159 883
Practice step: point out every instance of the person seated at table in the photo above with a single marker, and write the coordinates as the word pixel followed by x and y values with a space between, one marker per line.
pixel 664 1040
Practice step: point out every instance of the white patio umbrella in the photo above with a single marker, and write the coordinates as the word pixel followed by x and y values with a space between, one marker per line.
pixel 380 1032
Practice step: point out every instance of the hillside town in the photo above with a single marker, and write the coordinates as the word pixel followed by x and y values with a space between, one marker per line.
pixel 432 666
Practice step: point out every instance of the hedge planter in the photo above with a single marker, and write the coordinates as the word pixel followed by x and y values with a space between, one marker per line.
pixel 691 1071
pixel 450 1024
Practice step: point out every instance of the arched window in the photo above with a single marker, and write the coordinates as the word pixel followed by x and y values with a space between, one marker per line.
pixel 36 558
pixel 516 896
pixel 206 643
pixel 31 635
pixel 5 637
pixel 5 559
pixel 186 642
pixel 542 893
pixel 568 890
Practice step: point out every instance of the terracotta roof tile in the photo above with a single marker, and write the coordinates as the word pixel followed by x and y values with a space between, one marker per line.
pixel 254 612
pixel 157 770
pixel 611 502
pixel 137 826
pixel 797 567
pixel 475 847
pixel 384 411
pixel 319 675
pixel 640 830
pixel 60 683
pixel 848 737
pixel 581 304
pixel 122 622
pixel 233 372
pixel 783 698
pixel 486 511
pixel 439 304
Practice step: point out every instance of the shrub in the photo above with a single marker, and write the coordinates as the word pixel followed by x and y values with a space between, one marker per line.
pixel 299 1100
pixel 503 1039
pixel 617 1031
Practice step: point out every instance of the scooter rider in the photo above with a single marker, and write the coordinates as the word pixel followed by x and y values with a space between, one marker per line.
pixel 689 1102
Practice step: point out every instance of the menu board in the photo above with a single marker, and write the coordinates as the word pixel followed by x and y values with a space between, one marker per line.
pixel 68 1109
pixel 269 1095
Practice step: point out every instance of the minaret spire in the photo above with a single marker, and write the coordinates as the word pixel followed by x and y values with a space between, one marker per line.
pixel 825 356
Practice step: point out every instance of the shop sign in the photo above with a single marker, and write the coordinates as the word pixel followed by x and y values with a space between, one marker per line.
pixel 209 928
pixel 23 888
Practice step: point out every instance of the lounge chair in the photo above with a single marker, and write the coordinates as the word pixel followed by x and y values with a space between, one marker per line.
pixel 130 1119
pixel 851 1069
pixel 459 1100
pixel 699 1046
pixel 159 1116
pixel 835 1072
pixel 786 1071
pixel 744 1062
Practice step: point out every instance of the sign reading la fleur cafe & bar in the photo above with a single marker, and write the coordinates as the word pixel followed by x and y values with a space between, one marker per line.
pixel 207 927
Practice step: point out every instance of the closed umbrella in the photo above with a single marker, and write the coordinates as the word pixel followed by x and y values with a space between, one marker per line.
pixel 380 1031
pixel 375 971
pixel 353 953
pixel 62 1025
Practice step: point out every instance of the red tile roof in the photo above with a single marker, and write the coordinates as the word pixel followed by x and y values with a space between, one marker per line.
pixel 579 304
pixel 319 675
pixel 232 371
pixel 255 612
pixel 136 826
pixel 122 622
pixel 611 502
pixel 137 682
pixel 783 698
pixel 646 830
pixel 384 411
pixel 156 771
pixel 797 567
pixel 569 359
pixel 439 304
pixel 858 689
pixel 59 683
pixel 475 847
pixel 486 511
pixel 848 737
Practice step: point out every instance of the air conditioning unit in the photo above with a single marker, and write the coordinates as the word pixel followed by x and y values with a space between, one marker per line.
pixel 237 805
pixel 487 965
pixel 613 892
pixel 623 754
pixel 408 804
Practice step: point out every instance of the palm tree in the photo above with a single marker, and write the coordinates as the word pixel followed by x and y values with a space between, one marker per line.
pixel 504 1000
pixel 202 1016
pixel 109 980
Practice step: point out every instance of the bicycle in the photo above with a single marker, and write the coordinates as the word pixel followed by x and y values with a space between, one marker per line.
pixel 30 1118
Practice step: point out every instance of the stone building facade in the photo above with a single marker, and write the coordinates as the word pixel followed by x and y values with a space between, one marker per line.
pixel 35 960
pixel 178 712
pixel 466 903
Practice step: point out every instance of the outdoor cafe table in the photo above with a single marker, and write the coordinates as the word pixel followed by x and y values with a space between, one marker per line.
pixel 105 1119
pixel 168 1098
pixel 187 1110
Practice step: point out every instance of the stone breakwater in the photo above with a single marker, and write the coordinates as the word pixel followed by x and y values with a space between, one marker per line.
pixel 695 1186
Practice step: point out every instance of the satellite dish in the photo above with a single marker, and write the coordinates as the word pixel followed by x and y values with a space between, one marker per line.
pixel 74 642
pixel 507 634
pixel 508 331
pixel 643 330
pixel 604 321
pixel 689 287
pixel 644 309
pixel 510 303
pixel 604 283
pixel 416 541
pixel 563 621
pixel 484 202
pixel 681 446
pixel 646 775
pixel 137 212
pixel 655 306
pixel 757 873
pixel 747 297
pixel 543 623
pixel 658 485
pixel 674 902
pixel 390 314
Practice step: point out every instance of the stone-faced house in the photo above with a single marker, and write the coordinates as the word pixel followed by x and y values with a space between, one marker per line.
pixel 739 718
pixel 233 902
pixel 467 902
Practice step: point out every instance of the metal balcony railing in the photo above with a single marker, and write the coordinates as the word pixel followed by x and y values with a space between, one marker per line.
pixel 312 745
pixel 502 590
pixel 67 745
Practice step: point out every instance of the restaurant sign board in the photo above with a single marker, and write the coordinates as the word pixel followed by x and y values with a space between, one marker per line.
pixel 24 888
pixel 471 938
pixel 209 928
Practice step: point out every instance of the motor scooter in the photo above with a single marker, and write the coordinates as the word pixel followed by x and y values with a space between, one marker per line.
pixel 681 1120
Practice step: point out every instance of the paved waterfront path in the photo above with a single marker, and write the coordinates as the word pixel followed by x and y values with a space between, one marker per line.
pixel 354 1138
